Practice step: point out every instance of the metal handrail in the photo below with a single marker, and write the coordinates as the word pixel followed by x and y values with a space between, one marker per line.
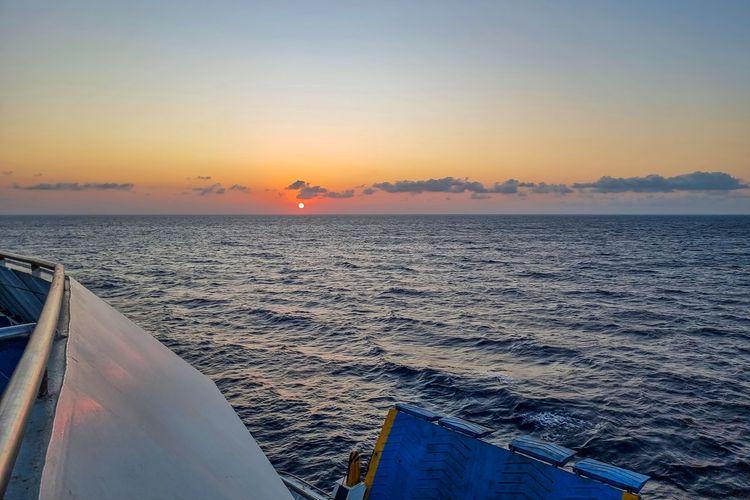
pixel 33 261
pixel 21 393
pixel 302 487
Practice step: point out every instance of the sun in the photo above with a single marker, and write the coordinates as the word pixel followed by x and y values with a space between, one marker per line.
pixel 300 205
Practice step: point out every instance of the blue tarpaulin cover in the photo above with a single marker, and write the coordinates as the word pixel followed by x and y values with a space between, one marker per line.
pixel 422 459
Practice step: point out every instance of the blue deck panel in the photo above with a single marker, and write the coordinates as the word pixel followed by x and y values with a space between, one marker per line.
pixel 11 351
pixel 20 295
pixel 423 460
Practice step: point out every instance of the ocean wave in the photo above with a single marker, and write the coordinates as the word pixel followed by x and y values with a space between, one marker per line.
pixel 278 318
pixel 408 292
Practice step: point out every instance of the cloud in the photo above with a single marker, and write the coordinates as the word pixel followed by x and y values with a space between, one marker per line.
pixel 716 182
pixel 212 189
pixel 239 187
pixel 341 194
pixel 7 172
pixel 75 186
pixel 544 188
pixel 697 181
pixel 444 185
pixel 305 191
pixel 308 192
pixel 449 185
pixel 508 187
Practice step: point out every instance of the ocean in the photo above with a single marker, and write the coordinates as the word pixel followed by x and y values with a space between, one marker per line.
pixel 626 338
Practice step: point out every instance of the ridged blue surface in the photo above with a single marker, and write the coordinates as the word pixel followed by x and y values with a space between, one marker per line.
pixel 626 338
pixel 616 476
pixel 542 450
pixel 422 460
pixel 422 413
pixel 464 427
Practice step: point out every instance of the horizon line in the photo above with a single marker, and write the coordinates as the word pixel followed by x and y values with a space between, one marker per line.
pixel 405 214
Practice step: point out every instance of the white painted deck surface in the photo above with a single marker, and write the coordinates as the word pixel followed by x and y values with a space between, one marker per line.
pixel 134 421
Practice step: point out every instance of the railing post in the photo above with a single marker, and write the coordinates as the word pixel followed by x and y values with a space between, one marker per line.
pixel 44 385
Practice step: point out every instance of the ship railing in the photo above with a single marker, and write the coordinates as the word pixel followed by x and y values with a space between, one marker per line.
pixel 301 489
pixel 22 390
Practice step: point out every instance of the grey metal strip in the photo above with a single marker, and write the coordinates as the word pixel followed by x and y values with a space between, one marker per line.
pixel 14 331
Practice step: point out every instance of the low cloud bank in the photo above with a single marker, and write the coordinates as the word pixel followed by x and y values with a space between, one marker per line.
pixel 341 194
pixel 306 191
pixel 449 185
pixel 212 189
pixel 697 181
pixel 217 189
pixel 693 182
pixel 544 188
pixel 75 186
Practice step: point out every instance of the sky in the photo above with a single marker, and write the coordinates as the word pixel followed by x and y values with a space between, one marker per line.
pixel 374 107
